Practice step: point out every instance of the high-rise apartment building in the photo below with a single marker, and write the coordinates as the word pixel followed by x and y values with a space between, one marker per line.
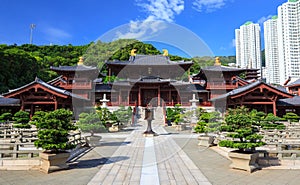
pixel 271 50
pixel 248 46
pixel 289 40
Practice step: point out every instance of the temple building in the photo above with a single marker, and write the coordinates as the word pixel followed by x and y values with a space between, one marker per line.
pixel 294 87
pixel 153 79
pixel 257 95
pixel 147 79
pixel 218 79
pixel 39 95
pixel 76 79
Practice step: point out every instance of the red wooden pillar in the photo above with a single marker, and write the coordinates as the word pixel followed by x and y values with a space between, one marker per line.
pixel 128 95
pixel 55 105
pixel 31 111
pixel 139 97
pixel 170 96
pixel 274 108
pixel 22 106
pixel 158 97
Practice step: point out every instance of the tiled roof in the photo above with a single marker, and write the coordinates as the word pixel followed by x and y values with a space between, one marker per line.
pixel 222 68
pixel 281 88
pixel 103 88
pixel 9 101
pixel 57 79
pixel 294 101
pixel 56 89
pixel 196 88
pixel 149 60
pixel 297 82
pixel 243 89
pixel 73 68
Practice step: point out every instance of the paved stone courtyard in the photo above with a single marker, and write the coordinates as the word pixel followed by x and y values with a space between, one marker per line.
pixel 172 157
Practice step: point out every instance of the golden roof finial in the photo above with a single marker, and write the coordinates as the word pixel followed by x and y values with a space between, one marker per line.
pixel 132 53
pixel 165 52
pixel 217 62
pixel 80 62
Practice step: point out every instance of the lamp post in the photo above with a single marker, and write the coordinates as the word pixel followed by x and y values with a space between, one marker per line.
pixel 32 26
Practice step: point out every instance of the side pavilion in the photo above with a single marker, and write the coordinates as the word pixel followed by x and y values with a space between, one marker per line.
pixel 257 95
pixel 39 95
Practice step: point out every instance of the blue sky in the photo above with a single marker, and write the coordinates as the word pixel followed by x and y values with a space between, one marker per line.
pixel 79 22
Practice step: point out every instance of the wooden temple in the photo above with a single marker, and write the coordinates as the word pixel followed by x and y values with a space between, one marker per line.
pixel 147 79
pixel 154 79
pixel 39 95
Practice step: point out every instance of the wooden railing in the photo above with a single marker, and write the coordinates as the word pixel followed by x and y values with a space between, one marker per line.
pixel 220 85
pixel 77 85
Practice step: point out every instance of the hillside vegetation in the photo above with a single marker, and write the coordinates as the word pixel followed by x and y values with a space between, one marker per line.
pixel 21 64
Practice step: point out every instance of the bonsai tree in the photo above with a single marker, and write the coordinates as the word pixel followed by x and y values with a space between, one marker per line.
pixel 244 133
pixel 291 117
pixel 53 131
pixel 201 127
pixel 106 117
pixel 257 116
pixel 5 117
pixel 271 122
pixel 21 119
pixel 123 115
pixel 208 122
pixel 90 122
pixel 174 114
pixel 36 118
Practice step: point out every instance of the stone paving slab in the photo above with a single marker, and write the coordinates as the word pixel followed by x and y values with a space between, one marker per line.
pixel 150 160
pixel 216 169
pixel 173 150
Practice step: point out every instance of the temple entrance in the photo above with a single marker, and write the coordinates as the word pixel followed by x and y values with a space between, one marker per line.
pixel 148 95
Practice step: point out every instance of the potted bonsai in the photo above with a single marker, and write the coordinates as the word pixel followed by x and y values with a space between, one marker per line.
pixel 106 117
pixel 244 137
pixel 124 116
pixel 5 117
pixel 207 124
pixel 291 117
pixel 90 122
pixel 21 119
pixel 175 116
pixel 53 129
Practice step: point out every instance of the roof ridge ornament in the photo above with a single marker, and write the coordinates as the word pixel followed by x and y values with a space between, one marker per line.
pixel 132 53
pixel 80 62
pixel 217 62
pixel 165 52
pixel 36 79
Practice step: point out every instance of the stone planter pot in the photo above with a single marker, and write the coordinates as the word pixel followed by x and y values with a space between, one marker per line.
pixel 180 127
pixel 51 162
pixel 93 140
pixel 244 161
pixel 205 140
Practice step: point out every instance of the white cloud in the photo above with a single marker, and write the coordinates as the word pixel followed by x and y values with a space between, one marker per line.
pixel 208 5
pixel 163 9
pixel 158 11
pixel 263 19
